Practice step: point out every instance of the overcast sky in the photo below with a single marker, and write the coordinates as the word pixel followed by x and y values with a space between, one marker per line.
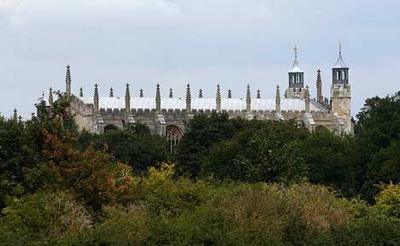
pixel 201 42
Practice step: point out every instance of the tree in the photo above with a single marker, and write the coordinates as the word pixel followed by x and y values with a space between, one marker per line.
pixel 377 133
pixel 332 161
pixel 135 146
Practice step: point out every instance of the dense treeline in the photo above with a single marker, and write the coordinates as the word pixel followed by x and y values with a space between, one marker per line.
pixel 234 182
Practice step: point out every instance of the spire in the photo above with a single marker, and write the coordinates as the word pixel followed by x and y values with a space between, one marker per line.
pixel 127 100
pixel 200 93
pixel 307 100
pixel 296 68
pixel 68 81
pixel 96 99
pixel 81 92
pixel 229 93
pixel 340 62
pixel 111 92
pixel 188 99
pixel 15 115
pixel 320 98
pixel 218 99
pixel 278 100
pixel 258 94
pixel 171 94
pixel 158 99
pixel 248 99
pixel 141 93
pixel 51 96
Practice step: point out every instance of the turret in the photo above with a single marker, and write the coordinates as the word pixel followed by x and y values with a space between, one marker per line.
pixel 296 75
pixel 340 71
pixel 341 96
pixel 296 79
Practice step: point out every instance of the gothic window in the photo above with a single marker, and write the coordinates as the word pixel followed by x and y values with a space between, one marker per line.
pixel 174 136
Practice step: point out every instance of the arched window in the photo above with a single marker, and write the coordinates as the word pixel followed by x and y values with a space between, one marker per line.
pixel 174 136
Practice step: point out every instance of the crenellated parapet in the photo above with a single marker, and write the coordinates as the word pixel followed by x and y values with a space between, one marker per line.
pixel 169 115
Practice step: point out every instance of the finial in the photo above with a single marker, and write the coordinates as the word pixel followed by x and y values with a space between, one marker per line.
pixel 127 99
pixel 229 93
pixel 81 92
pixel 295 53
pixel 200 93
pixel 171 94
pixel 141 93
pixel 96 98
pixel 68 81
pixel 15 115
pixel 307 100
pixel 218 99
pixel 188 99
pixel 340 48
pixel 158 99
pixel 50 96
pixel 258 94
pixel 111 92
pixel 320 98
pixel 248 99
pixel 278 100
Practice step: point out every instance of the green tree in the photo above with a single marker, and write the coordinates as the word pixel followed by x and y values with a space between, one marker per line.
pixel 377 133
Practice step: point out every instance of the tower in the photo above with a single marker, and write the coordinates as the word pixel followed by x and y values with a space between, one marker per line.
pixel 296 79
pixel 341 95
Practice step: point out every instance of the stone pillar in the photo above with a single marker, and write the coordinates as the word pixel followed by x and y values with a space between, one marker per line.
pixel 218 99
pixel 188 100
pixel 248 99
pixel 158 99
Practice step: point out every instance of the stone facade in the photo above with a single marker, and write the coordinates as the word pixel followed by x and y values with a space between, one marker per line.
pixel 169 116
